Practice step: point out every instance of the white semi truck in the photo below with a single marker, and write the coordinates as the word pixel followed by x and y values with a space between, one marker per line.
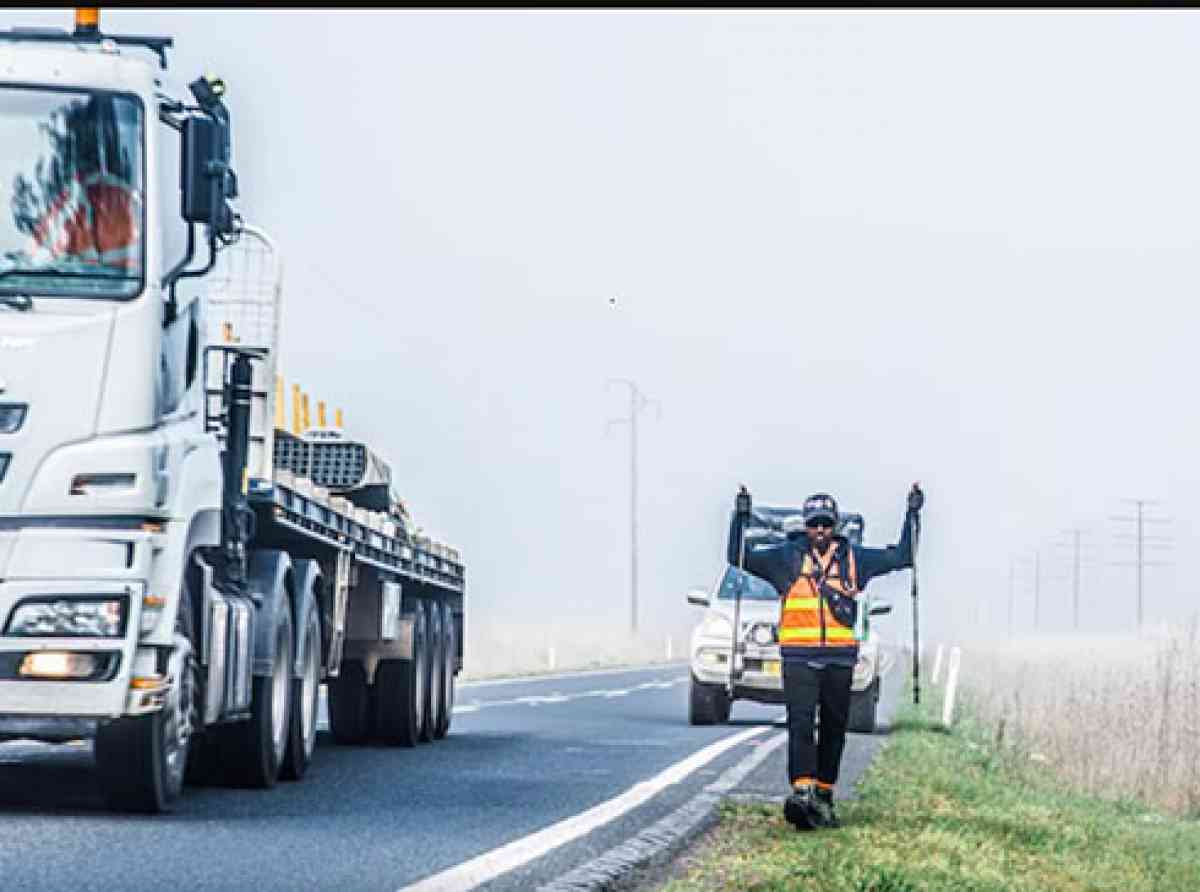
pixel 178 572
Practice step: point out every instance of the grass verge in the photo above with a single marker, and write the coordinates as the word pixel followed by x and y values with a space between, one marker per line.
pixel 947 811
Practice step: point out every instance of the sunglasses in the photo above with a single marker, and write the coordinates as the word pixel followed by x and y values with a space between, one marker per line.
pixel 819 523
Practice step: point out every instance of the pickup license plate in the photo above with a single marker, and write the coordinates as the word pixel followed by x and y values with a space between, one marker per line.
pixel 771 667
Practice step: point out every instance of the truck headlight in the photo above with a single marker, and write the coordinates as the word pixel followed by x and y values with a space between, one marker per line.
pixel 716 626
pixel 68 618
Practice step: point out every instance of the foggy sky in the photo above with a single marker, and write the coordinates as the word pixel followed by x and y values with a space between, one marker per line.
pixel 848 251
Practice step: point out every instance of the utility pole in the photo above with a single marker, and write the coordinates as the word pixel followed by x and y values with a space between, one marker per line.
pixel 1037 586
pixel 1077 546
pixel 1142 543
pixel 1012 589
pixel 638 402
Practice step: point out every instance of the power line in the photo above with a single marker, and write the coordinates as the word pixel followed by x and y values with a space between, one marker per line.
pixel 638 402
pixel 1142 543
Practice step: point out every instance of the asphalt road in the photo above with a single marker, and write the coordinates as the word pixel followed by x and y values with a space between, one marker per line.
pixel 520 757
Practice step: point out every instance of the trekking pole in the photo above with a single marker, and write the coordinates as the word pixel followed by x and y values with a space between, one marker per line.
pixel 743 516
pixel 915 533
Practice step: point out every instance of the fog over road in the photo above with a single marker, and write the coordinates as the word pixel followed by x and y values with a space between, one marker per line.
pixel 521 756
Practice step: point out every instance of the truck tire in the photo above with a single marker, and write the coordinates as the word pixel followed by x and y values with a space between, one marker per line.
pixel 707 704
pixel 306 694
pixel 350 704
pixel 862 709
pixel 141 760
pixel 449 662
pixel 437 662
pixel 401 690
pixel 255 749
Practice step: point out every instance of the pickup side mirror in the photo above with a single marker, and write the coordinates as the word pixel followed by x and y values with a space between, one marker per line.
pixel 205 179
pixel 699 597
pixel 880 609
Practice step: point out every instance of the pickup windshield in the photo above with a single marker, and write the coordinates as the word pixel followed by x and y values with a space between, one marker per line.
pixel 754 589
pixel 71 193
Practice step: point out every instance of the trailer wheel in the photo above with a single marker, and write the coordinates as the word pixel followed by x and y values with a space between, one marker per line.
pixel 350 704
pixel 257 747
pixel 437 663
pixel 401 690
pixel 140 760
pixel 306 692
pixel 449 660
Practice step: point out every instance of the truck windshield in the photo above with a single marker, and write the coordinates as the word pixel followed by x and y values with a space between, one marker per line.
pixel 71 193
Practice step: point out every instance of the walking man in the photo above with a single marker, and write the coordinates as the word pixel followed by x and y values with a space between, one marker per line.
pixel 818 575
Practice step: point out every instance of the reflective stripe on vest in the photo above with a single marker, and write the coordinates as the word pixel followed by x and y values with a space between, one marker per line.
pixel 805 620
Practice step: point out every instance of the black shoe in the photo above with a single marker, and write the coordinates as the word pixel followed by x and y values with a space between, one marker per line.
pixel 825 816
pixel 798 809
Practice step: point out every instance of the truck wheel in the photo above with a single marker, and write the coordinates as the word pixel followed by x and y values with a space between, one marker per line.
pixel 306 692
pixel 401 690
pixel 704 704
pixel 436 652
pixel 449 659
pixel 350 704
pixel 140 760
pixel 258 746
pixel 862 709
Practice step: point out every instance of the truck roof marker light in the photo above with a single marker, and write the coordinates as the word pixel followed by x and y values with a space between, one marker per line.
pixel 87 20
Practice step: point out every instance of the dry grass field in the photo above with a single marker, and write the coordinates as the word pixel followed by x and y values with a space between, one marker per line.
pixel 1116 717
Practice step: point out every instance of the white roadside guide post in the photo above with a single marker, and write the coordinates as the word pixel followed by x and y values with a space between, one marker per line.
pixel 951 686
pixel 937 664
pixel 550 661
pixel 668 648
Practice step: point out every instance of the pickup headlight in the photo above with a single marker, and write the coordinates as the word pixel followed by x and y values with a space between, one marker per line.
pixel 716 626
pixel 69 618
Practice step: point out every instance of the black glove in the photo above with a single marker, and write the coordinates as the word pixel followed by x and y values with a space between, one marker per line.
pixel 742 504
pixel 916 498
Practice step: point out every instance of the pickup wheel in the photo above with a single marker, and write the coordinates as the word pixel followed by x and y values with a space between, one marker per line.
pixel 140 760
pixel 350 704
pixel 436 656
pixel 449 661
pixel 707 704
pixel 402 690
pixel 257 747
pixel 862 709
pixel 306 691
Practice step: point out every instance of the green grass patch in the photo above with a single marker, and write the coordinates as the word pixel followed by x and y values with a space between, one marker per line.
pixel 950 811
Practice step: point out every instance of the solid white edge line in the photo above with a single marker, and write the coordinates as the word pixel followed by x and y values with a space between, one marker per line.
pixel 500 860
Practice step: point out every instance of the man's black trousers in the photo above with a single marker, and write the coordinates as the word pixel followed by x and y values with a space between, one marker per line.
pixel 805 688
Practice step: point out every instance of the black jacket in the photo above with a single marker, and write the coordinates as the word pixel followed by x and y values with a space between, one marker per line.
pixel 777 559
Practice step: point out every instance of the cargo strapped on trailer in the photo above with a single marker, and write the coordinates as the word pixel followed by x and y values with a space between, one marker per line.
pixel 302 517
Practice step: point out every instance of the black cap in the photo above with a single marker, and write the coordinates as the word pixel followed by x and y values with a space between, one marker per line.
pixel 821 505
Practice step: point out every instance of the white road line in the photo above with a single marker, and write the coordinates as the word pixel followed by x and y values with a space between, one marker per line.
pixel 524 679
pixel 492 864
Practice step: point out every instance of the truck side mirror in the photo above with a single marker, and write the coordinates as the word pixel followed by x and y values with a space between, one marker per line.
pixel 881 609
pixel 699 597
pixel 205 178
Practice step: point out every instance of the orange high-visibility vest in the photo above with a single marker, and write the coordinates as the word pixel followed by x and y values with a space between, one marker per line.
pixel 805 618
